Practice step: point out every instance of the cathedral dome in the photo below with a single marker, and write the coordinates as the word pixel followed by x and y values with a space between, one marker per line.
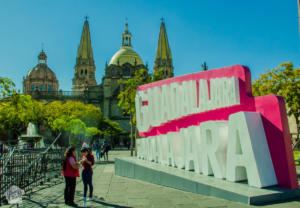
pixel 41 77
pixel 126 55
pixel 41 72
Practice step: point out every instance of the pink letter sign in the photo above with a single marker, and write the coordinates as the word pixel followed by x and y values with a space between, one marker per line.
pixel 209 122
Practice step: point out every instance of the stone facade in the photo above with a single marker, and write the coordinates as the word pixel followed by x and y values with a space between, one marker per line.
pixel 122 66
pixel 85 68
pixel 163 58
pixel 40 78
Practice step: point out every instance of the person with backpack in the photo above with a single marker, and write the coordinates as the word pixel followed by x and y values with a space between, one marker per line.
pixel 87 162
pixel 70 173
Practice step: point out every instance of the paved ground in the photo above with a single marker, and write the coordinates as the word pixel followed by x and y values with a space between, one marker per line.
pixel 118 192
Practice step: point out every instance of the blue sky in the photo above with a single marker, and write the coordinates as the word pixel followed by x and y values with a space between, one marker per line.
pixel 259 34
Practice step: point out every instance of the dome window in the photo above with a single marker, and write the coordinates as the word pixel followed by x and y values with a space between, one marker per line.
pixel 112 71
pixel 126 71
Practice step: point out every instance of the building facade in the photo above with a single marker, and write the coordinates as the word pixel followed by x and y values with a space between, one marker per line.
pixel 122 66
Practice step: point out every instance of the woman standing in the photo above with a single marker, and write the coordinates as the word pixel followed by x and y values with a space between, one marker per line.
pixel 87 173
pixel 70 172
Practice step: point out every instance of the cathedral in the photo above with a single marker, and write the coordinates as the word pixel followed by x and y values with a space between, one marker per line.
pixel 42 84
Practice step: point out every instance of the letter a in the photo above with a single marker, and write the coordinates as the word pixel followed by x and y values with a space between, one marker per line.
pixel 248 153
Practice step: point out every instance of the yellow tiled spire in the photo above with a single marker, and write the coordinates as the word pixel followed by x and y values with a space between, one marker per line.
pixel 163 57
pixel 85 68
pixel 85 51
pixel 163 50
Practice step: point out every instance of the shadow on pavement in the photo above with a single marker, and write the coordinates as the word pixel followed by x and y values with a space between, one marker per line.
pixel 35 202
pixel 104 162
pixel 110 205
pixel 279 202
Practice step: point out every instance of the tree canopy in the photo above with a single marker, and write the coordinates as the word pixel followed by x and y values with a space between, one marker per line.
pixel 6 87
pixel 110 128
pixel 128 92
pixel 284 81
pixel 129 87
pixel 76 119
pixel 16 113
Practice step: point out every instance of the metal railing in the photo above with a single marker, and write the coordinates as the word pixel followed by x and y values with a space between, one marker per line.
pixel 28 169
pixel 65 94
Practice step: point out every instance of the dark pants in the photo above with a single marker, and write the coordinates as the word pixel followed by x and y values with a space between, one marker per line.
pixel 105 154
pixel 87 181
pixel 70 189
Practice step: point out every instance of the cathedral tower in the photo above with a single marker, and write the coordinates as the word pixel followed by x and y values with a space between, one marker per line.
pixel 122 66
pixel 85 66
pixel 163 57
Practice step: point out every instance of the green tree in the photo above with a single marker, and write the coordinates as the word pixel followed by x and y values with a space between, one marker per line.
pixel 284 81
pixel 128 92
pixel 75 118
pixel 110 128
pixel 77 128
pixel 6 87
pixel 16 113
pixel 92 132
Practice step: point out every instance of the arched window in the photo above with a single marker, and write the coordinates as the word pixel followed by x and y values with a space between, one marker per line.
pixel 32 87
pixel 81 71
pixel 41 87
pixel 49 88
pixel 86 72
pixel 126 71
pixel 112 71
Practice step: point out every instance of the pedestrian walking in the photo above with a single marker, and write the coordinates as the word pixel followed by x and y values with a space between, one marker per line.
pixel 70 172
pixel 87 162
pixel 106 148
pixel 98 151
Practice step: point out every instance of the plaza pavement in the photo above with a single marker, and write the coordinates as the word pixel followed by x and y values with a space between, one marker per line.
pixel 119 192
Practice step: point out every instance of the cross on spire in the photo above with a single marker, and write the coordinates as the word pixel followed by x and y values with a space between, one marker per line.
pixel 86 18
pixel 162 19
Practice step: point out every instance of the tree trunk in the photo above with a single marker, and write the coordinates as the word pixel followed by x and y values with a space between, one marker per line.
pixel 298 129
pixel 69 139
pixel 297 140
pixel 131 136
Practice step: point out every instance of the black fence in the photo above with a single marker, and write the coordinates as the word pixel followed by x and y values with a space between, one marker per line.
pixel 28 169
pixel 60 95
